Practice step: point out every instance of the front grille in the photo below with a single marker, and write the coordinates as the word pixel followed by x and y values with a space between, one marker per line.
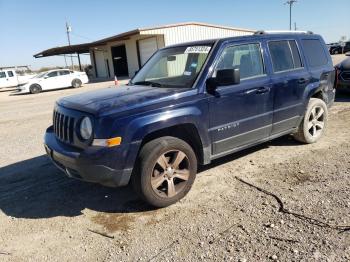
pixel 345 76
pixel 63 126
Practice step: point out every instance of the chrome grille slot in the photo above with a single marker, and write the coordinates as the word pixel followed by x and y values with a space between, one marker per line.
pixel 63 126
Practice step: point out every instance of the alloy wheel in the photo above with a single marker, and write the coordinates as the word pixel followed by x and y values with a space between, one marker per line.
pixel 170 174
pixel 316 123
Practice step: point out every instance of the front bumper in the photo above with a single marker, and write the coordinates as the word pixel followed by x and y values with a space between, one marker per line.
pixel 20 90
pixel 92 165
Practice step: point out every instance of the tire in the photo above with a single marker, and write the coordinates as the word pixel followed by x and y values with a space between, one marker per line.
pixel 314 123
pixel 76 83
pixel 156 180
pixel 35 89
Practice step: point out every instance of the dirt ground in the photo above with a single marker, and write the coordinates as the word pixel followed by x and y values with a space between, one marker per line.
pixel 281 201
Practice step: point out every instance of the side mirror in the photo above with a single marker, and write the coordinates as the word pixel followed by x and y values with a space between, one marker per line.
pixel 224 77
pixel 45 77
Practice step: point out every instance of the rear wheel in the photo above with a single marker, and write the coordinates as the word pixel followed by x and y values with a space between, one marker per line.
pixel 166 171
pixel 35 89
pixel 76 83
pixel 314 123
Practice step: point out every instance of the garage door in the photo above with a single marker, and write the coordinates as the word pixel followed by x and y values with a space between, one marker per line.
pixel 147 48
pixel 100 64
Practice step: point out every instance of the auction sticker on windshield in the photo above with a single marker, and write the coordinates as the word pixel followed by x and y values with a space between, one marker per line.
pixel 197 50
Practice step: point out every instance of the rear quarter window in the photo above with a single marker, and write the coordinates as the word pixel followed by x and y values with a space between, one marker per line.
pixel 314 52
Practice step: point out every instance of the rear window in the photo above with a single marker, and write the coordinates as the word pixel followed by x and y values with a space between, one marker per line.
pixel 284 55
pixel 64 72
pixel 10 73
pixel 314 52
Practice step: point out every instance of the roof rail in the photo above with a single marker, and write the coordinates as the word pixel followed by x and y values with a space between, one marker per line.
pixel 263 32
pixel 14 67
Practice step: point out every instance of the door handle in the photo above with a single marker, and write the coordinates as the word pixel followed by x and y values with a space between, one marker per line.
pixel 302 81
pixel 263 90
pixel 251 91
pixel 260 90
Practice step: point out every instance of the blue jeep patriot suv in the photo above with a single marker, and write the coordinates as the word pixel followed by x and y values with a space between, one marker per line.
pixel 192 103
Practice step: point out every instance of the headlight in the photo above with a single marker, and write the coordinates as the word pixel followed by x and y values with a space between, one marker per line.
pixel 86 128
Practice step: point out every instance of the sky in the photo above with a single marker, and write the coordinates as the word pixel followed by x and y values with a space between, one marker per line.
pixel 31 26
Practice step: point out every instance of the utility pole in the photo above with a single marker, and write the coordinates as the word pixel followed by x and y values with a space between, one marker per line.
pixel 69 29
pixel 290 3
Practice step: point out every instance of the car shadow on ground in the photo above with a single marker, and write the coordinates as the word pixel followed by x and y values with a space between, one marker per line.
pixel 281 141
pixel 35 189
pixel 7 89
pixel 342 97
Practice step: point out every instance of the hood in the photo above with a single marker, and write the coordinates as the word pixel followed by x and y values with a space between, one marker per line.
pixel 117 99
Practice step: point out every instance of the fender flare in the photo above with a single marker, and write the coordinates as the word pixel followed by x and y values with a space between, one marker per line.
pixel 148 124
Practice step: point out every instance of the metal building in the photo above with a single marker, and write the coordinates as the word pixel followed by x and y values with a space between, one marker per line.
pixel 125 53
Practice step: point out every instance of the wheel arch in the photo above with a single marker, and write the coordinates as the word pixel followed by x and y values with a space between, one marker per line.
pixel 186 132
pixel 315 90
pixel 184 123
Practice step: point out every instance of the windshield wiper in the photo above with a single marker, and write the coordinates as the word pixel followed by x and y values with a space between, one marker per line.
pixel 148 83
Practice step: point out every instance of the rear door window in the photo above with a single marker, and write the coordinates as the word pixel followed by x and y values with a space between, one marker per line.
pixel 295 54
pixel 245 57
pixel 284 55
pixel 314 52
pixel 2 74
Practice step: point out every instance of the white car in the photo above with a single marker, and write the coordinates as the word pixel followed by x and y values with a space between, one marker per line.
pixel 54 79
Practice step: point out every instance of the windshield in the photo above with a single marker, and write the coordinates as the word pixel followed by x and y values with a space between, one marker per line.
pixel 40 75
pixel 173 67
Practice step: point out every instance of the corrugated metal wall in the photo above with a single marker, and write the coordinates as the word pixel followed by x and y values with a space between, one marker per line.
pixel 187 33
pixel 165 36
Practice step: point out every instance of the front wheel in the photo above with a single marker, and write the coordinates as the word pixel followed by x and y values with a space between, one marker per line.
pixel 35 89
pixel 314 123
pixel 166 171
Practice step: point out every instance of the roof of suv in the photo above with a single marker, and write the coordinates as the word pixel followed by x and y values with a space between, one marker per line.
pixel 248 37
